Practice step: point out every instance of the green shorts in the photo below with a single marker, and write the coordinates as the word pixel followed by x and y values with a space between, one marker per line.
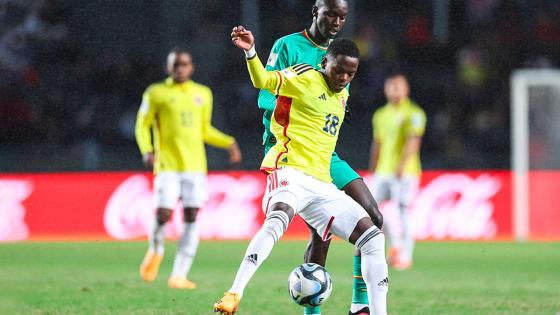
pixel 341 172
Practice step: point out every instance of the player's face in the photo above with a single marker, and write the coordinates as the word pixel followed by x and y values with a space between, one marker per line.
pixel 340 70
pixel 331 16
pixel 396 89
pixel 180 66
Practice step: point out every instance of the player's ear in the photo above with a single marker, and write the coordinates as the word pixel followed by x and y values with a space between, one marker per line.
pixel 315 11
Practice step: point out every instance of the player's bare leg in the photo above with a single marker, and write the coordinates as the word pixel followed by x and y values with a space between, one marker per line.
pixel 316 252
pixel 186 251
pixel 317 249
pixel 156 238
pixel 279 216
pixel 358 191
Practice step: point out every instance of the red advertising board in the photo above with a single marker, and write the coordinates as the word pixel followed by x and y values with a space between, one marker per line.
pixel 474 205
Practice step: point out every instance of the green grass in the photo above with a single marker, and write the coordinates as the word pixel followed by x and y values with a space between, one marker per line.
pixel 447 278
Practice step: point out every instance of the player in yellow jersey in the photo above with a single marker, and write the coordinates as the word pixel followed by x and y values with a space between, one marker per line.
pixel 310 46
pixel 398 128
pixel 178 111
pixel 306 124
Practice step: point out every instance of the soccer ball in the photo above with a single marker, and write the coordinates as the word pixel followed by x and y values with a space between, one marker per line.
pixel 309 285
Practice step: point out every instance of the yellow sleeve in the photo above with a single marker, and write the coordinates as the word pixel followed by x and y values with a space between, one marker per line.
pixel 213 136
pixel 286 82
pixel 375 125
pixel 262 79
pixel 417 125
pixel 144 120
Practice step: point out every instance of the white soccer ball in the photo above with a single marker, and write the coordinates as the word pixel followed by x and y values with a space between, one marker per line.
pixel 309 285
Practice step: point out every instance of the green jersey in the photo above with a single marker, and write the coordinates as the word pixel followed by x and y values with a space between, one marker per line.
pixel 287 51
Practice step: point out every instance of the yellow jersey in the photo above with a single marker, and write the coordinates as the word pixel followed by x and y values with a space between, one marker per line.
pixel 179 114
pixel 392 125
pixel 306 119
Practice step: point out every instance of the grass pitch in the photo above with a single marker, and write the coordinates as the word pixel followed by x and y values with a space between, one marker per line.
pixel 447 278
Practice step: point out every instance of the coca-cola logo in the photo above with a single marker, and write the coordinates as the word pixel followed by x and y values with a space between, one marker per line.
pixel 12 210
pixel 231 211
pixel 452 206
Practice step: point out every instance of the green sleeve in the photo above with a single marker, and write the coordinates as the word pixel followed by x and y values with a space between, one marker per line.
pixel 277 60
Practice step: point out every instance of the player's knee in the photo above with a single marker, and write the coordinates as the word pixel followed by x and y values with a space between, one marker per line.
pixel 276 223
pixel 372 242
pixel 163 215
pixel 189 214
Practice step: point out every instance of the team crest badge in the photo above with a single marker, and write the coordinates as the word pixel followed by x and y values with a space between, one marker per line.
pixel 343 103
pixel 198 100
pixel 284 183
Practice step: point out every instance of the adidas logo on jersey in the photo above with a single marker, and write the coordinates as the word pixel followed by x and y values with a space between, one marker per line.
pixel 252 258
pixel 323 97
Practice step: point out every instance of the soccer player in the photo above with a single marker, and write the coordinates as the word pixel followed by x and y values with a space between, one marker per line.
pixel 309 46
pixel 398 128
pixel 306 121
pixel 178 111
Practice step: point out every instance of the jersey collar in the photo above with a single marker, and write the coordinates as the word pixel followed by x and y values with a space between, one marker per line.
pixel 306 35
pixel 184 85
pixel 405 102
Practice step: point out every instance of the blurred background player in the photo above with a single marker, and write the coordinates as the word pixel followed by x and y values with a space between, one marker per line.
pixel 178 111
pixel 309 46
pixel 299 180
pixel 398 128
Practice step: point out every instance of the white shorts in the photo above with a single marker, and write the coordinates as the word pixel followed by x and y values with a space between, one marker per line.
pixel 399 190
pixel 190 187
pixel 320 204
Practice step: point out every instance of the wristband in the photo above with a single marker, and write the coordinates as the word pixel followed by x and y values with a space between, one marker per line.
pixel 251 52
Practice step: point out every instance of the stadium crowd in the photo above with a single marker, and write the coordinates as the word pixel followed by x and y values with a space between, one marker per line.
pixel 68 97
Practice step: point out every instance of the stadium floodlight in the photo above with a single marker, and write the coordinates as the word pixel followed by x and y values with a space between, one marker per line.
pixel 535 136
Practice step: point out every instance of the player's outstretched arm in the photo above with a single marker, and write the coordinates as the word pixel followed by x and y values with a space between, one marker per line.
pixel 261 78
pixel 242 38
pixel 278 60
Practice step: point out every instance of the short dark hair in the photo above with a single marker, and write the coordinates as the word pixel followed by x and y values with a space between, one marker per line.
pixel 319 3
pixel 391 74
pixel 343 46
pixel 393 70
pixel 179 50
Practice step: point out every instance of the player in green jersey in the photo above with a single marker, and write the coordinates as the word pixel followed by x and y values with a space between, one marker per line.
pixel 309 46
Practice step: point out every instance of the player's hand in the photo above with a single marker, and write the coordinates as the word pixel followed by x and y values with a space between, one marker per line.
pixel 234 153
pixel 242 38
pixel 399 171
pixel 148 160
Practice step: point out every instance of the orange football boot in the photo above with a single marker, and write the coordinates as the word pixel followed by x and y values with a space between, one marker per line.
pixel 180 283
pixel 228 304
pixel 150 266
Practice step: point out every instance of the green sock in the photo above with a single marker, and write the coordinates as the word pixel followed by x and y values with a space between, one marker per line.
pixel 311 310
pixel 359 288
